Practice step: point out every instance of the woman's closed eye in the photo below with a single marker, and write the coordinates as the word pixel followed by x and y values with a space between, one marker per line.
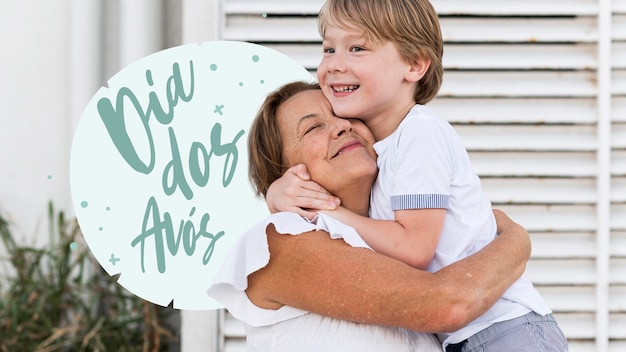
pixel 311 128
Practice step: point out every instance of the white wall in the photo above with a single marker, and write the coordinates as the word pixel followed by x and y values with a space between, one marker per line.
pixel 35 132
pixel 55 55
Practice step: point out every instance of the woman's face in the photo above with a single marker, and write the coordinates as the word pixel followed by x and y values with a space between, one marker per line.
pixel 336 151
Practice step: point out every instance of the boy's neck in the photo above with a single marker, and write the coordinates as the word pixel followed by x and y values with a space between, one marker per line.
pixel 387 122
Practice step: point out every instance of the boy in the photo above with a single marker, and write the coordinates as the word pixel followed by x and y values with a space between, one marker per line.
pixel 382 62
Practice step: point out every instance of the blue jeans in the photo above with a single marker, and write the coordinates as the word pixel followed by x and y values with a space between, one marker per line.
pixel 529 333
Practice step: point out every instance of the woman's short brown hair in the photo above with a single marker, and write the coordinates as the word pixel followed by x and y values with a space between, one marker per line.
pixel 265 147
pixel 412 25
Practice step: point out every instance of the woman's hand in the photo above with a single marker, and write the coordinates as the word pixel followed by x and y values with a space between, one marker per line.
pixel 295 192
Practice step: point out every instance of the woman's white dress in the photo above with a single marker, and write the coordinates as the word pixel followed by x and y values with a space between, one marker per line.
pixel 292 329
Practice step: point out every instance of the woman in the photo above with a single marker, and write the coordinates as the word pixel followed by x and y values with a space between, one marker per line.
pixel 302 286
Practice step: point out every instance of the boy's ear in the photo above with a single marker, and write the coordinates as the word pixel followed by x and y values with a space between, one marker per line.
pixel 417 69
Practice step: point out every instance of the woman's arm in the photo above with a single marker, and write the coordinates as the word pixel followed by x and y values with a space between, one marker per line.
pixel 315 273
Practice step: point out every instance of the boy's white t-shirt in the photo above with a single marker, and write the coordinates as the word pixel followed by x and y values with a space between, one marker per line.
pixel 423 164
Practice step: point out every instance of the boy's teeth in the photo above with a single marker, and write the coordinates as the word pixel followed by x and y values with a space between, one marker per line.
pixel 345 88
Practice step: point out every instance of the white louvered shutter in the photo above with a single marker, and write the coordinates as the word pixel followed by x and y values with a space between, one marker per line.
pixel 537 91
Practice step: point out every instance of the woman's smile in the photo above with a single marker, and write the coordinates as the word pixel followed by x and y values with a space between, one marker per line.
pixel 349 146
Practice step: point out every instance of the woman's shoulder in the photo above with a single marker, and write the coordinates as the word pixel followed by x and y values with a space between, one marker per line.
pixel 249 253
pixel 287 223
pixel 290 223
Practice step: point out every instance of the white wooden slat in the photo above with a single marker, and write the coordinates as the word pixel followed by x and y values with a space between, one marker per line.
pixel 516 8
pixel 618 189
pixel 577 326
pixel 617 346
pixel 577 345
pixel 540 190
pixel 516 110
pixel 618 245
pixel 618 109
pixel 302 7
pixel 619 27
pixel 520 30
pixel 519 85
pixel 494 56
pixel 562 272
pixel 618 216
pixel 546 245
pixel 237 345
pixel 514 84
pixel 553 218
pixel 618 166
pixel 464 56
pixel 569 298
pixel 528 138
pixel 234 333
pixel 531 164
pixel 307 55
pixel 443 7
pixel 484 57
pixel 520 56
pixel 618 298
pixel 257 28
pixel 617 271
pixel 233 327
pixel 617 326
pixel 618 83
pixel 619 7
pixel 618 136
pixel 618 60
pixel 581 298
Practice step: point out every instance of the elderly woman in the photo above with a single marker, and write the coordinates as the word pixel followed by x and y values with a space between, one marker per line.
pixel 304 286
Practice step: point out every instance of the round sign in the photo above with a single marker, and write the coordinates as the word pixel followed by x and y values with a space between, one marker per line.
pixel 159 165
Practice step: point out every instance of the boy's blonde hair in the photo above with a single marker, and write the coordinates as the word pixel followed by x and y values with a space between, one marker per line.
pixel 412 25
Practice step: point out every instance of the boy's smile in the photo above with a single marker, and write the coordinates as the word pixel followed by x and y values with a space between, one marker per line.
pixel 344 89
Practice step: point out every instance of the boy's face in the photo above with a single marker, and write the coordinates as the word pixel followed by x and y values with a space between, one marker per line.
pixel 363 80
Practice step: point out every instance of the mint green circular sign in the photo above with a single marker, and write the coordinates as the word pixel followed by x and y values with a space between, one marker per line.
pixel 159 171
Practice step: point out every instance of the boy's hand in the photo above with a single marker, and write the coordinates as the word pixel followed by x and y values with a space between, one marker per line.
pixel 295 192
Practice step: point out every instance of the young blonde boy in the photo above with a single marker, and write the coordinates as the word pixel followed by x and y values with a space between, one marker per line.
pixel 382 62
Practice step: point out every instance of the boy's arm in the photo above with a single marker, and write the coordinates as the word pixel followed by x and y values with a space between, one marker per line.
pixel 296 193
pixel 411 238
